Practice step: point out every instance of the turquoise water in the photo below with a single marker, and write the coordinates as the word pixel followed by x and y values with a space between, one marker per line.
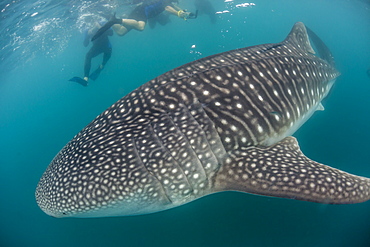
pixel 40 111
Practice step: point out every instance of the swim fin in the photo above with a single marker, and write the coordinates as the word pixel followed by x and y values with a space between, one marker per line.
pixel 106 26
pixel 79 80
pixel 94 75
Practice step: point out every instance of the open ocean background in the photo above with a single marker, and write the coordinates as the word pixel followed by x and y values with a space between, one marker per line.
pixel 40 111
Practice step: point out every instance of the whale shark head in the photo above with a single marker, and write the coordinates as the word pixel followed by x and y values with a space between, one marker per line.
pixel 219 123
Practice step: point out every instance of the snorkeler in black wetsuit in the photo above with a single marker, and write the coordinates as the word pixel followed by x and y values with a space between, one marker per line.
pixel 139 16
pixel 99 46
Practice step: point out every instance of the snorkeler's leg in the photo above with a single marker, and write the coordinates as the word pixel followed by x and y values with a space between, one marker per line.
pixel 127 25
pixel 87 65
pixel 138 25
pixel 93 52
pixel 106 57
pixel 120 30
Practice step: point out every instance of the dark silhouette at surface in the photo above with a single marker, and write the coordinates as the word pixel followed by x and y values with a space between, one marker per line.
pixel 206 7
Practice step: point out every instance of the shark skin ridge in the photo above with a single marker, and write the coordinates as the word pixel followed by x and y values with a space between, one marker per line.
pixel 220 123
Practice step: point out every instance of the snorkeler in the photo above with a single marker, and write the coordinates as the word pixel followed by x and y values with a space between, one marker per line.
pixel 99 46
pixel 138 18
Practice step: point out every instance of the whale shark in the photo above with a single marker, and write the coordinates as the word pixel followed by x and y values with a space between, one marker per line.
pixel 220 123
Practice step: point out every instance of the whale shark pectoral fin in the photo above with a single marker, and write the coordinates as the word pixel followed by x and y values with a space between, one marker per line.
pixel 282 170
pixel 320 107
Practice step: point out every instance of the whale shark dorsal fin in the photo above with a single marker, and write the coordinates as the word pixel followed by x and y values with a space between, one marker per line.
pixel 298 37
pixel 282 170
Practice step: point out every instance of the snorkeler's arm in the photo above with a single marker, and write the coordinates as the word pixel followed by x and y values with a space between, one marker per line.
pixel 183 14
pixel 175 10
pixel 172 9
